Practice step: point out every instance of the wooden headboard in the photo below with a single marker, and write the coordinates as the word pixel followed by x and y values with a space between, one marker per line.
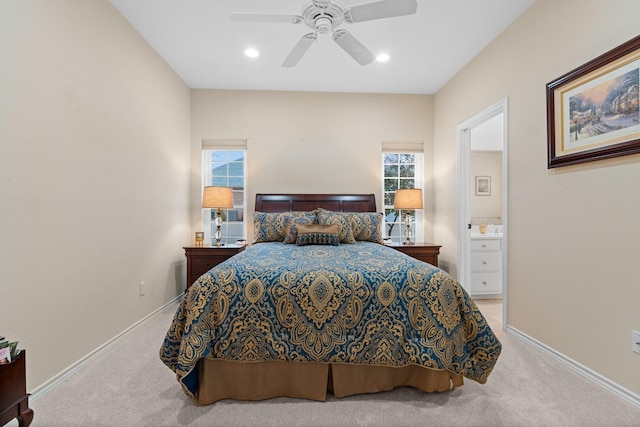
pixel 309 202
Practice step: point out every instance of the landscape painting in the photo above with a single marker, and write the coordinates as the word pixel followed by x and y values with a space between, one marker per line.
pixel 610 106
pixel 592 111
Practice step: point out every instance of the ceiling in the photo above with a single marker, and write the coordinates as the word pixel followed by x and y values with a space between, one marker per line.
pixel 200 42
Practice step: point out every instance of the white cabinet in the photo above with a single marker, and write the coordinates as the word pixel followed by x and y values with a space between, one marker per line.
pixel 486 267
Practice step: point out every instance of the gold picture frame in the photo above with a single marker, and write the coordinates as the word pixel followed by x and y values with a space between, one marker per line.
pixel 592 111
pixel 199 238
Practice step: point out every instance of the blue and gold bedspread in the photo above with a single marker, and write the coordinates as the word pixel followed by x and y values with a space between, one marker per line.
pixel 360 303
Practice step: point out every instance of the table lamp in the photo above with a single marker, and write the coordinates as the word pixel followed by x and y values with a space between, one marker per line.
pixel 408 199
pixel 217 198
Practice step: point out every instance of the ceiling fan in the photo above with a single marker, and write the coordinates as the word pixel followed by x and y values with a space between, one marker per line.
pixel 323 16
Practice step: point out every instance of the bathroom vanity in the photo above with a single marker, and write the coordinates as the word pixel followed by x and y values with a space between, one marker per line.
pixel 486 263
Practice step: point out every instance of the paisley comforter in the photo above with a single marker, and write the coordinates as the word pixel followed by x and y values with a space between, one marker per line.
pixel 360 303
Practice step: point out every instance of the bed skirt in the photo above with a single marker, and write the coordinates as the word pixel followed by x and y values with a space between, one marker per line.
pixel 221 379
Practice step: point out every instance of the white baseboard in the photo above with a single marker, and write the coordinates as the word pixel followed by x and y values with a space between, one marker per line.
pixel 66 373
pixel 615 388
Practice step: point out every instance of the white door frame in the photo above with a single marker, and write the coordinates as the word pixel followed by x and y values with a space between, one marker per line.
pixel 464 192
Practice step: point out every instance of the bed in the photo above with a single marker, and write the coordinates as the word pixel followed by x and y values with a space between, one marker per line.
pixel 332 310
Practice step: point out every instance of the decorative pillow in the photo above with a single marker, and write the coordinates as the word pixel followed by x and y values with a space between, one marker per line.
pixel 270 227
pixel 291 224
pixel 345 234
pixel 367 226
pixel 318 234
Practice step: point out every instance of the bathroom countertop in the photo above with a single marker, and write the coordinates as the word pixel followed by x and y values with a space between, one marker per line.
pixel 487 236
pixel 494 232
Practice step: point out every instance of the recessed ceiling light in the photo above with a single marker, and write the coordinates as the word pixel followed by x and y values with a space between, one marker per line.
pixel 383 57
pixel 251 52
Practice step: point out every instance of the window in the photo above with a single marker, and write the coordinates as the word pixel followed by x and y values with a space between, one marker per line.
pixel 225 168
pixel 400 170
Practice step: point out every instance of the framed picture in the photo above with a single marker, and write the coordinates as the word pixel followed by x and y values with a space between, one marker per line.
pixel 199 238
pixel 483 185
pixel 592 111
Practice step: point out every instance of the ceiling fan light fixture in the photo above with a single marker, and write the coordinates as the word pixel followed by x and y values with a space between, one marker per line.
pixel 383 57
pixel 323 25
pixel 251 52
pixel 325 16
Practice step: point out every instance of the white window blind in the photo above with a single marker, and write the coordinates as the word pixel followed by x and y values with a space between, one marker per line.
pixel 224 144
pixel 402 147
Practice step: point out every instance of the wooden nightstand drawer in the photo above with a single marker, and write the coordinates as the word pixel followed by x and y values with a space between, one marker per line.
pixel 201 259
pixel 199 266
pixel 426 252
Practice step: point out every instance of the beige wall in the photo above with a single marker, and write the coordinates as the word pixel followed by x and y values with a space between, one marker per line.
pixel 574 231
pixel 302 142
pixel 94 178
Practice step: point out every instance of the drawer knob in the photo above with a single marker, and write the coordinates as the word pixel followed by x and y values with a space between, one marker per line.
pixel 484 283
pixel 484 246
pixel 484 262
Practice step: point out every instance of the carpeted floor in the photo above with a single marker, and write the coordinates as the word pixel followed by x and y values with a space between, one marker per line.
pixel 129 386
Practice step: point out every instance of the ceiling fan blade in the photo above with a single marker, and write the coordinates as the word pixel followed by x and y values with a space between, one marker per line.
pixel 380 9
pixel 265 17
pixel 353 47
pixel 299 50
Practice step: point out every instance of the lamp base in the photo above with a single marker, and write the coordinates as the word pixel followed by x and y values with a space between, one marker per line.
pixel 218 233
pixel 407 231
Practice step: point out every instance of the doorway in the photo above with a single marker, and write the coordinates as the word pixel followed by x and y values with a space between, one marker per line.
pixel 471 188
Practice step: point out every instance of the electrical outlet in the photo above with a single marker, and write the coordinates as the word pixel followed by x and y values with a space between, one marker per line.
pixel 143 288
pixel 635 341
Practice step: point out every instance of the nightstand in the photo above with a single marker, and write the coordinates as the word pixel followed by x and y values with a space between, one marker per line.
pixel 14 399
pixel 427 252
pixel 201 259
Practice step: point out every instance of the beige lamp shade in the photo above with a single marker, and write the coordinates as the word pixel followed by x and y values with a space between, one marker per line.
pixel 217 198
pixel 408 198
